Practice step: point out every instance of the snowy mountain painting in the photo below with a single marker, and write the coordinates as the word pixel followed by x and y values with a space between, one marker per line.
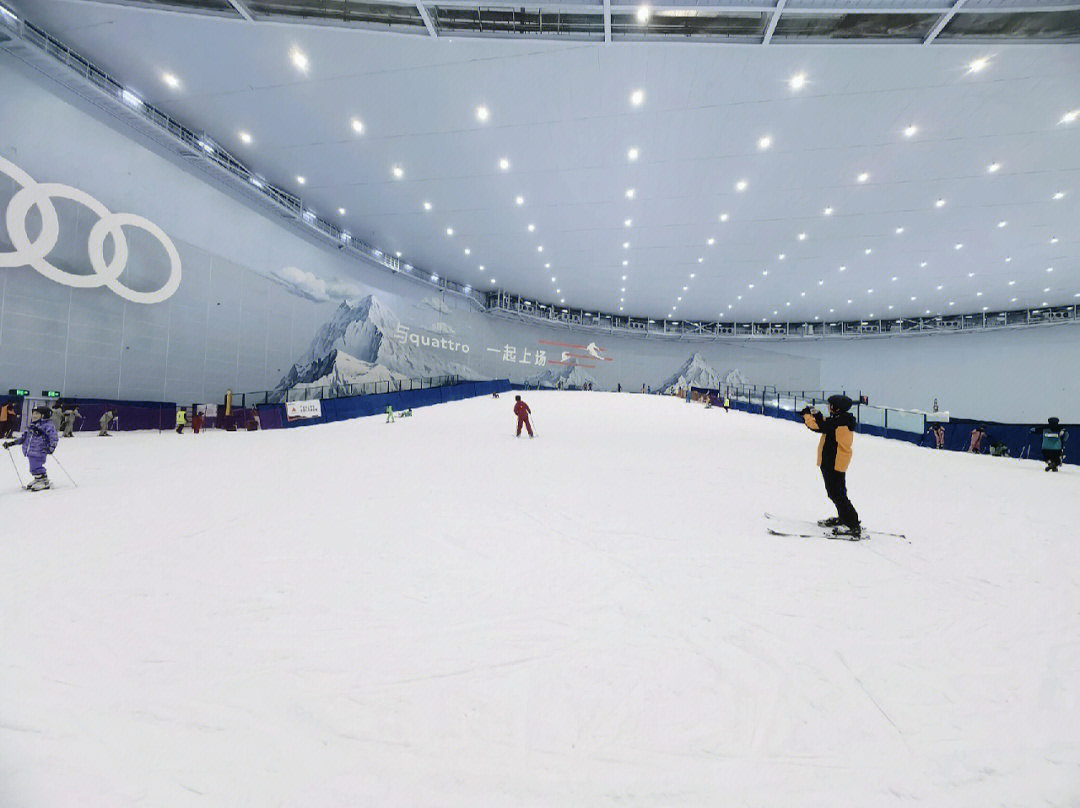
pixel 696 372
pixel 569 375
pixel 365 342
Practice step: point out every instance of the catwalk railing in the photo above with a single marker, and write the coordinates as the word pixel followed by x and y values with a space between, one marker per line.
pixel 308 392
pixel 546 313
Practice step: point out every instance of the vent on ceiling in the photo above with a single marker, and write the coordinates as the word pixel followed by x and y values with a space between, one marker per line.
pixel 1042 25
pixel 520 21
pixel 192 5
pixel 345 11
pixel 691 22
pixel 894 27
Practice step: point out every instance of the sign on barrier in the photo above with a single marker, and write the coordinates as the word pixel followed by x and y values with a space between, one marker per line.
pixel 295 410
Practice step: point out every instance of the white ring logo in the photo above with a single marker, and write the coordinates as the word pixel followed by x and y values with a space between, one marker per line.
pixel 38 195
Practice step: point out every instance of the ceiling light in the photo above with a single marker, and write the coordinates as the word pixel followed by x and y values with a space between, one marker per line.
pixel 625 244
pixel 1059 195
pixel 1007 260
pixel 1070 117
pixel 532 228
pixel 427 206
pixel 520 200
pixel 398 172
pixel 764 142
pixel 911 130
pixel 245 138
pixel 802 236
pixel 940 203
pixel 504 164
pixel 1054 240
pixel 843 268
pixel 632 154
pixel 299 59
pixel 627 222
pixel 553 279
pixel 643 13
pixel 625 263
pixel 828 211
pixel 958 246
pixel 894 277
pixel 1002 223
pixel 341 211
pixel 493 280
pixel 1012 283
pixel 971 274
pixel 481 113
pixel 710 241
pixel 978 64
pixel 468 251
pixel 637 97
pixel 482 269
pixel 764 272
pixel 821 283
pixel 899 230
pixel 993 167
pixel 923 264
pixel 629 193
pixel 449 231
pixel 300 180
pixel 868 250
pixel 741 185
pixel 171 80
pixel 357 126
pixel 782 256
pixel 548 266
pixel 539 247
pixel 797 82
pixel 693 275
pixel 1049 269
pixel 863 177
pixel 723 217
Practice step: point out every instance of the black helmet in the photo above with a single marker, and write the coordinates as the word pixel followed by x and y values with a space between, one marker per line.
pixel 1052 421
pixel 842 403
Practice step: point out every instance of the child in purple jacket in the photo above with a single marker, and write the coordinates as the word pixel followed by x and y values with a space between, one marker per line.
pixel 38 442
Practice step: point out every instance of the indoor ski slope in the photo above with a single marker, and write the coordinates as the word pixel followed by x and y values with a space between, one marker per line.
pixel 432 613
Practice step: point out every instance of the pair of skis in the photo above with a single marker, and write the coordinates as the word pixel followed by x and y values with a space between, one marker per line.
pixel 804 528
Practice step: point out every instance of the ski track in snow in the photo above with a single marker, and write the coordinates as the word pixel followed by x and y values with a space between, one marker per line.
pixel 436 613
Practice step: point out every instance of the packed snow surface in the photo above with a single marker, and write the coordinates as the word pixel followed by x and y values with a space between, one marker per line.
pixel 434 613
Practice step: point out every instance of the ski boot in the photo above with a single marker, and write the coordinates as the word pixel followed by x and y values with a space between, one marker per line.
pixel 849 533
pixel 832 521
pixel 39 483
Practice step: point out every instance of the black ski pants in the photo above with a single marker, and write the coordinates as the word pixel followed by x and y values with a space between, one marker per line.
pixel 1052 457
pixel 836 488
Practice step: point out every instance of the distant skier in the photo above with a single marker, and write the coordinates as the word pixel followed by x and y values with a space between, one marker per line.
pixel 56 415
pixel 9 419
pixel 389 414
pixel 834 455
pixel 978 435
pixel 38 442
pixel 1053 442
pixel 71 412
pixel 727 404
pixel 522 411
pixel 181 420
pixel 938 431
pixel 105 422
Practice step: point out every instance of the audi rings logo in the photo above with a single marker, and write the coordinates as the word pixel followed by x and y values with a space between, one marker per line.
pixel 40 195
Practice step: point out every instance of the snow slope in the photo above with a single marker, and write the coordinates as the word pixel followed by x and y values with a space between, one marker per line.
pixel 434 613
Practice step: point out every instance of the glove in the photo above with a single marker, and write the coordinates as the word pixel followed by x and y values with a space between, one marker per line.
pixel 9 443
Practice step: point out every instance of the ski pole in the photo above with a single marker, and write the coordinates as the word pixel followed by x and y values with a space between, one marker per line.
pixel 15 467
pixel 61 465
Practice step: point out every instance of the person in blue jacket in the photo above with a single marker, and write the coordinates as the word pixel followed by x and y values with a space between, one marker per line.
pixel 1053 442
pixel 38 442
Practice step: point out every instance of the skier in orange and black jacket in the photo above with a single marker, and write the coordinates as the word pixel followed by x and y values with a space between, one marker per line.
pixel 834 455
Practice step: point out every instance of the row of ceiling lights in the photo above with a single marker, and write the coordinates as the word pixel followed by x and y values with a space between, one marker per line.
pixel 637 97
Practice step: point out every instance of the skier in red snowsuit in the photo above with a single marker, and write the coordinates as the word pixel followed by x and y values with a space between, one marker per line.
pixel 521 410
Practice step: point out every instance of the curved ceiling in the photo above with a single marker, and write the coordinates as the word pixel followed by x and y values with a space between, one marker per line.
pixel 889 180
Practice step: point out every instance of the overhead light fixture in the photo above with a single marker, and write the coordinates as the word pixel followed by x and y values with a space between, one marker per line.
pixel 741 185
pixel 449 231
pixel 797 82
pixel 723 217
pixel 1054 240
pixel 170 80
pixel 520 200
pixel 977 65
pixel 398 253
pixel 625 245
pixel 625 263
pixel 504 164
pixel 532 228
pixel 548 266
pixel 643 13
pixel 899 230
pixel 993 168
pixel 1002 223
pixel 1070 116
pixel 863 177
pixel 958 246
pixel 868 250
pixel 632 154
pixel 427 206
pixel 300 180
pixel 245 138
pixel 627 222
pixel 357 126
pixel 637 97
pixel 911 130
pixel 782 256
pixel 1059 195
pixel 539 247
pixel 341 211
pixel 131 99
pixel 481 113
pixel 940 203
pixel 802 236
pixel 398 172
pixel 828 211
pixel 630 193
pixel 764 142
pixel 299 59
pixel 468 251
pixel 710 241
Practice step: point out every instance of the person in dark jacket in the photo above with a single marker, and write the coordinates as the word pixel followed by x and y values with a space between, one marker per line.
pixel 522 411
pixel 1053 443
pixel 938 431
pixel 38 442
pixel 834 454
pixel 9 419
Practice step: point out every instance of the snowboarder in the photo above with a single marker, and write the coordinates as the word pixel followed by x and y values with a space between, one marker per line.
pixel 1053 442
pixel 938 432
pixel 105 422
pixel 522 411
pixel 834 455
pixel 977 436
pixel 181 420
pixel 71 412
pixel 38 442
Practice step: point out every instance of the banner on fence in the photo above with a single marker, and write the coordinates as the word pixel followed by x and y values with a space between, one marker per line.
pixel 295 410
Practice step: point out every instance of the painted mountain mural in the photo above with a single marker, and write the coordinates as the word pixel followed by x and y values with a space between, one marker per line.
pixel 365 342
pixel 571 375
pixel 696 372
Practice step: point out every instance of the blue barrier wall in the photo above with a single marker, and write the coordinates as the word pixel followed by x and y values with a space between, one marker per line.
pixel 342 409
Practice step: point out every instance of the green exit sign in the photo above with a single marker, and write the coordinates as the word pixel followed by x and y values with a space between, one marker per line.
pixel 51 393
pixel 15 391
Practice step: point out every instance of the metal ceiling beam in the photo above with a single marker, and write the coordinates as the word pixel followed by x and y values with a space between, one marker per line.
pixel 773 21
pixel 607 20
pixel 242 9
pixel 425 17
pixel 939 26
